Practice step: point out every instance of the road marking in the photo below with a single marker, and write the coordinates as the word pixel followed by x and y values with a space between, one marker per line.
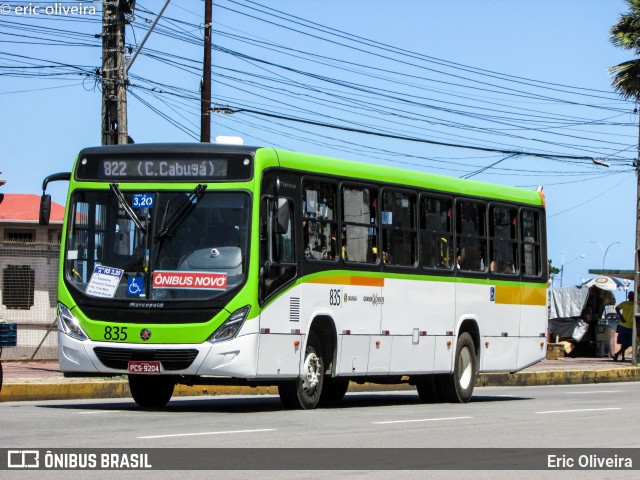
pixel 208 433
pixel 594 391
pixel 582 410
pixel 421 420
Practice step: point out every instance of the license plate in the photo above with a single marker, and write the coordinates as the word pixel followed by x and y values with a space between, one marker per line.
pixel 138 366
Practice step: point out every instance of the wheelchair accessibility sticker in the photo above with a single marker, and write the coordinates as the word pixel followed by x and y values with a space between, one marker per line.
pixel 492 294
pixel 135 286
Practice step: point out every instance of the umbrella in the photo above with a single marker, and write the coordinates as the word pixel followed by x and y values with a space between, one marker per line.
pixel 605 283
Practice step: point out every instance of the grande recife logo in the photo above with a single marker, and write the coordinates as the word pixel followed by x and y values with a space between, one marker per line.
pixel 189 280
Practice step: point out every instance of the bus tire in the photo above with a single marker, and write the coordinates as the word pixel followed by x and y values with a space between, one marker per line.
pixel 430 388
pixel 304 392
pixel 334 390
pixel 458 387
pixel 150 391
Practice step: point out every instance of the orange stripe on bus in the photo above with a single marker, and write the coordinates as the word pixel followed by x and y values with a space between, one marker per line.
pixel 520 296
pixel 349 280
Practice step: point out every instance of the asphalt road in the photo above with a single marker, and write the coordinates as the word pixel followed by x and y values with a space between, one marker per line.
pixel 578 416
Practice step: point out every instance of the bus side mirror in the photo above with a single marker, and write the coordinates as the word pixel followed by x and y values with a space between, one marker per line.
pixel 45 209
pixel 45 200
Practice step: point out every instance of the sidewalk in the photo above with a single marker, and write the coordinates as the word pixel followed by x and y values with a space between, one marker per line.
pixel 44 381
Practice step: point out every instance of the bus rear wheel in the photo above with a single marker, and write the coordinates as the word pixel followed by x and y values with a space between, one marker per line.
pixel 304 392
pixel 458 387
pixel 151 391
pixel 430 388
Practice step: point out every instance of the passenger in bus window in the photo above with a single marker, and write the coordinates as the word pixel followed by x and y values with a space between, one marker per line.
pixel 461 258
pixel 493 266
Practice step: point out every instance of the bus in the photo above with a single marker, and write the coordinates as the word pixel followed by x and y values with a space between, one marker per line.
pixel 209 264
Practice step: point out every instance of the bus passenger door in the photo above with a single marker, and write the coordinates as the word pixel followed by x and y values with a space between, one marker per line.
pixel 278 353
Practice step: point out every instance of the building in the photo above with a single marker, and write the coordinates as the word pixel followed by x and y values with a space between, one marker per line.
pixel 28 274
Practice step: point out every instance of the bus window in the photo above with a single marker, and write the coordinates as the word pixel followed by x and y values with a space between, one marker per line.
pixel 503 240
pixel 319 222
pixel 399 233
pixel 277 252
pixel 530 237
pixel 359 220
pixel 436 233
pixel 471 236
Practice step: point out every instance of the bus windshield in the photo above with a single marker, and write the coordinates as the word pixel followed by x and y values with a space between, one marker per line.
pixel 157 245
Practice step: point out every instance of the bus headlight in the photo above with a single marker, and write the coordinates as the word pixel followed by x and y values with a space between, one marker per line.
pixel 230 328
pixel 69 324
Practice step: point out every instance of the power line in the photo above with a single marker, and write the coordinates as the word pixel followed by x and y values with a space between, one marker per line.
pixel 411 139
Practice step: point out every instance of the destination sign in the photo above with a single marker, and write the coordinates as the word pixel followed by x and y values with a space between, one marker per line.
pixel 163 169
pixel 172 168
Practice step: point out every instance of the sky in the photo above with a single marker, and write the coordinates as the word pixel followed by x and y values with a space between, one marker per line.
pixel 527 80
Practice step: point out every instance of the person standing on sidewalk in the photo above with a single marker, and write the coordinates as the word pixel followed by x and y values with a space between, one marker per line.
pixel 625 327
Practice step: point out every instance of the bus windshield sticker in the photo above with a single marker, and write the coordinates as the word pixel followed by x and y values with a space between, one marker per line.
pixel 135 286
pixel 142 200
pixel 189 280
pixel 104 281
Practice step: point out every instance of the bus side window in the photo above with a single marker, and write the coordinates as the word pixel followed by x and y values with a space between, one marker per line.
pixel 399 232
pixel 503 240
pixel 319 225
pixel 360 221
pixel 530 239
pixel 471 236
pixel 436 233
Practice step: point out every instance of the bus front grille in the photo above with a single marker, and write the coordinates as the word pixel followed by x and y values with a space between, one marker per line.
pixel 171 359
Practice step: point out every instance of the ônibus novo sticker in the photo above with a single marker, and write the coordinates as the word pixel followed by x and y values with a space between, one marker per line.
pixel 189 280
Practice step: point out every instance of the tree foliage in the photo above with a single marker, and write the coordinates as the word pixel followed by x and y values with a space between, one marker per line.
pixel 626 34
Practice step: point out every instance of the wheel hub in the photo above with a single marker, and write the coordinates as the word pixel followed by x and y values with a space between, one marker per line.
pixel 311 372
pixel 464 362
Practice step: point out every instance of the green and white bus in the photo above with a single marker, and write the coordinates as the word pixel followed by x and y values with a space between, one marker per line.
pixel 223 264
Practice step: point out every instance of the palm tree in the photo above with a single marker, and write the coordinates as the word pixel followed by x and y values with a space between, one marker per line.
pixel 626 81
pixel 626 34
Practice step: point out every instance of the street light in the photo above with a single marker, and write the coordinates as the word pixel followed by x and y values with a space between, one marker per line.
pixel 563 264
pixel 604 251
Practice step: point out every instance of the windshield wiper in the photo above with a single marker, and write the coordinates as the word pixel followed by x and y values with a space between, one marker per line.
pixel 182 212
pixel 125 206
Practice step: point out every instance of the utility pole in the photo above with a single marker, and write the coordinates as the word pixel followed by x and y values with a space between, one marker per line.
pixel 636 280
pixel 205 91
pixel 114 92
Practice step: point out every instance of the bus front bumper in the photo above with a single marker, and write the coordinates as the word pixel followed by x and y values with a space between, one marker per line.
pixel 232 358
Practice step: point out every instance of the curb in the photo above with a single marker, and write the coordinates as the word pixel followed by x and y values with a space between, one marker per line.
pixel 559 377
pixel 108 388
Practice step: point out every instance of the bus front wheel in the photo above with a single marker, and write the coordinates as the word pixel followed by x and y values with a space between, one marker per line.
pixel 334 390
pixel 304 392
pixel 151 391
